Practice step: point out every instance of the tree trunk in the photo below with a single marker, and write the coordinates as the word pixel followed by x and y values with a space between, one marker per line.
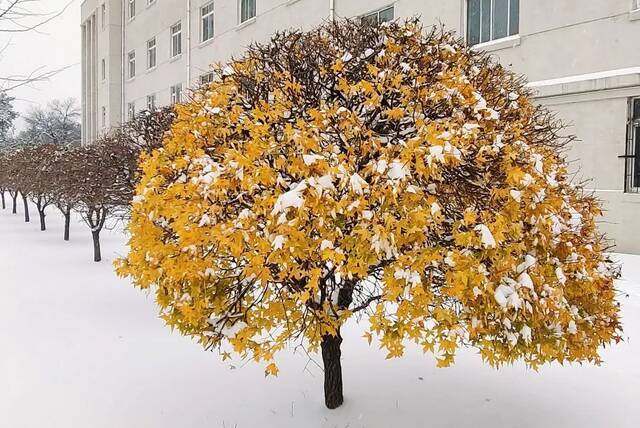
pixel 97 256
pixel 43 224
pixel 330 345
pixel 15 205
pixel 67 223
pixel 4 204
pixel 27 219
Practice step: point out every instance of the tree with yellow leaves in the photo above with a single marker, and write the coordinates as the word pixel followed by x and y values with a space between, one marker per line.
pixel 385 171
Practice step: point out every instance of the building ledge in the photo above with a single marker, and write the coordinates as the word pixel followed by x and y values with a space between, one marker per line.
pixel 498 44
pixel 206 42
pixel 590 82
pixel 245 23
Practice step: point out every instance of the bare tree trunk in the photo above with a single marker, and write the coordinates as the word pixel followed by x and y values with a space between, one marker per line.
pixel 97 224
pixel 97 256
pixel 14 197
pixel 27 219
pixel 331 353
pixel 43 224
pixel 67 222
pixel 41 207
pixel 4 204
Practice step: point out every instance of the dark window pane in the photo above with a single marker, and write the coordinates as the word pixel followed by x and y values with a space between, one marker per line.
pixel 636 108
pixel 636 160
pixel 473 22
pixel 247 10
pixel 500 18
pixel 485 19
pixel 514 17
pixel 371 18
pixel 386 15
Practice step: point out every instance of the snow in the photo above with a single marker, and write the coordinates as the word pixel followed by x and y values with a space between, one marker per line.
pixel 486 236
pixel 278 242
pixel 358 184
pixel 291 199
pixel 398 170
pixel 325 244
pixel 81 348
pixel 585 77
pixel 311 159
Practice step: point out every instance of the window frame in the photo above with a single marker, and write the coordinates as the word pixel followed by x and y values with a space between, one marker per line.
pixel 152 53
pixel 131 111
pixel 376 13
pixel 510 20
pixel 242 19
pixel 175 49
pixel 151 102
pixel 132 9
pixel 103 69
pixel 131 62
pixel 176 93
pixel 632 148
pixel 206 78
pixel 203 16
pixel 103 15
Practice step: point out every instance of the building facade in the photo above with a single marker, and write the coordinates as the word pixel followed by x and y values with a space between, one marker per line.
pixel 580 57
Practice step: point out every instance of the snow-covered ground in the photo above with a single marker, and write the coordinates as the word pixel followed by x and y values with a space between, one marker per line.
pixel 82 348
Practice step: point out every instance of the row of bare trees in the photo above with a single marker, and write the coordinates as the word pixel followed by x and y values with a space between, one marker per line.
pixel 96 181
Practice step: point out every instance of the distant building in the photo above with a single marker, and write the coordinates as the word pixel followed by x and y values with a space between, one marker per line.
pixel 581 57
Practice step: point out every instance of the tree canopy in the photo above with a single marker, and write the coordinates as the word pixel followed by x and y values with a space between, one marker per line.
pixel 381 170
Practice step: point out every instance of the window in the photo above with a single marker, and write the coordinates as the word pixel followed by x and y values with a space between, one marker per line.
pixel 206 14
pixel 103 15
pixel 131 111
pixel 151 102
pixel 205 79
pixel 489 20
pixel 132 64
pixel 632 152
pixel 176 93
pixel 151 53
pixel 379 16
pixel 176 40
pixel 104 117
pixel 103 68
pixel 132 9
pixel 247 10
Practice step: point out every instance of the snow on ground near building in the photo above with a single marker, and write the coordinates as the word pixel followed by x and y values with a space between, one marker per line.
pixel 82 348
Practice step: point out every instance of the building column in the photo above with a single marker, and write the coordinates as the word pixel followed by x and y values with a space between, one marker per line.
pixel 83 83
pixel 94 74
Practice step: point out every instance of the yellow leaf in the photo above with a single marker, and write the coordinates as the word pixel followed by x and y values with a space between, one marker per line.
pixel 272 370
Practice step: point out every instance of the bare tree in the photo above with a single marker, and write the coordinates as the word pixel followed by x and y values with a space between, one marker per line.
pixel 41 177
pixel 7 116
pixel 57 123
pixel 21 16
pixel 14 174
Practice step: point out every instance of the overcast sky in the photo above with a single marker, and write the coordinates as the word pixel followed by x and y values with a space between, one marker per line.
pixel 54 46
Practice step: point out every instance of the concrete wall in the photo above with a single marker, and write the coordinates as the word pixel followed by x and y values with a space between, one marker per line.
pixel 101 40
